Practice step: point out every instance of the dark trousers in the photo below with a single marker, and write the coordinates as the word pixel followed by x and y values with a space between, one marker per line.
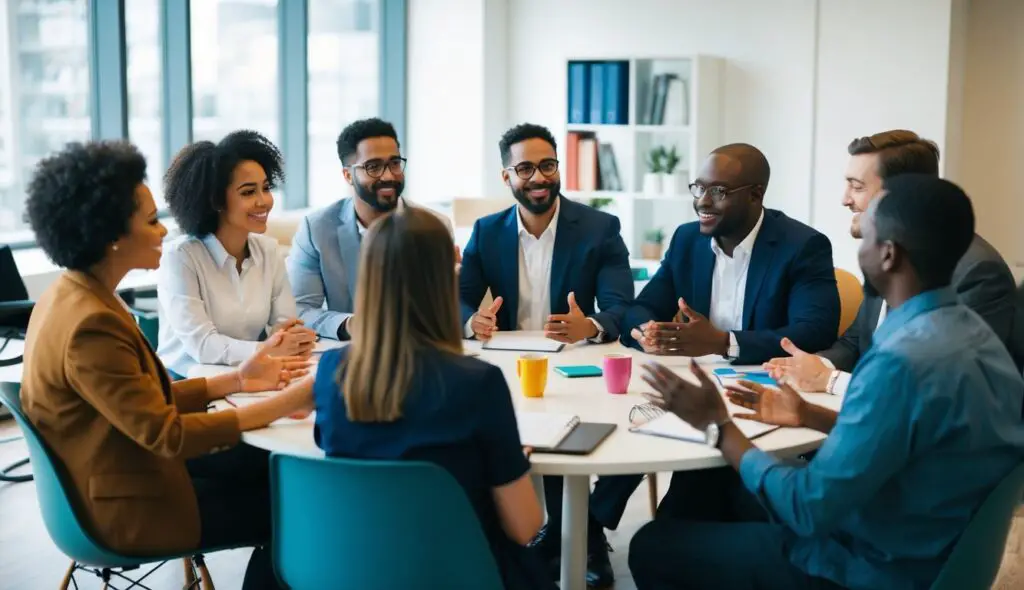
pixel 607 501
pixel 711 532
pixel 233 490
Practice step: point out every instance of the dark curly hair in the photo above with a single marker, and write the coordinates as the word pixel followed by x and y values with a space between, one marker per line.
pixel 348 140
pixel 522 132
pixel 196 184
pixel 81 200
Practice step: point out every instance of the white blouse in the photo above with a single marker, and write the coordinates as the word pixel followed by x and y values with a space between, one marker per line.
pixel 209 312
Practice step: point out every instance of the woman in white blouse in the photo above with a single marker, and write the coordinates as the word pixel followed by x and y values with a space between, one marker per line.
pixel 222 286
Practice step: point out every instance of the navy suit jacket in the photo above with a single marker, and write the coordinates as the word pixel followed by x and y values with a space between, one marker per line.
pixel 589 259
pixel 791 288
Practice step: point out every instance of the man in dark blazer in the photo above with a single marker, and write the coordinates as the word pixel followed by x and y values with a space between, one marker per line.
pixel 547 261
pixel 742 277
pixel 982 279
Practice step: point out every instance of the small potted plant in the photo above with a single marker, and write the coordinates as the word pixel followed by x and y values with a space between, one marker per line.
pixel 651 247
pixel 671 181
pixel 606 204
pixel 655 166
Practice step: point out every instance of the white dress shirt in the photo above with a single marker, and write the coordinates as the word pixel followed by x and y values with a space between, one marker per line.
pixel 729 285
pixel 209 312
pixel 842 381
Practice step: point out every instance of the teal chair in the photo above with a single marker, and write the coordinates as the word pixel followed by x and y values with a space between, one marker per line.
pixel 375 525
pixel 67 530
pixel 974 562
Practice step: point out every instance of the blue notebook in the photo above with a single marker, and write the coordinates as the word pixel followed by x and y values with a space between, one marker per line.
pixel 728 376
pixel 572 371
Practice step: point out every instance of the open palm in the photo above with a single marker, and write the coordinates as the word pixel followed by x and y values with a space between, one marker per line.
pixel 782 407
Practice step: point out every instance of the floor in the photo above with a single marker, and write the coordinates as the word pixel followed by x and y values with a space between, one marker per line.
pixel 30 561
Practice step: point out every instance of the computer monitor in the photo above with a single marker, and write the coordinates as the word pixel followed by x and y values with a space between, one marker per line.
pixel 15 306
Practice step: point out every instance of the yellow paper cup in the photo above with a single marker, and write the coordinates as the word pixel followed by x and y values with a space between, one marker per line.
pixel 533 374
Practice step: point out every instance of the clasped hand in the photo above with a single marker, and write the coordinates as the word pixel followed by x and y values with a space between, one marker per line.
pixel 695 337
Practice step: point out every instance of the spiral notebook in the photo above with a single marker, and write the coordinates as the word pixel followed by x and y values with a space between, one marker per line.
pixel 648 419
pixel 543 430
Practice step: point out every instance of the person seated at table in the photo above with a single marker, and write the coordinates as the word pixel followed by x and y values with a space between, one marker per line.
pixel 742 277
pixel 150 471
pixel 222 286
pixel 929 427
pixel 982 279
pixel 324 255
pixel 546 260
pixel 404 390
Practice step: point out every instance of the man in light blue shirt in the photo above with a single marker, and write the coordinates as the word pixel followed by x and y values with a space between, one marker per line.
pixel 929 427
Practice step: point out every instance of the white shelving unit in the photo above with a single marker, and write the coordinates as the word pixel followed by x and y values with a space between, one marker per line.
pixel 694 128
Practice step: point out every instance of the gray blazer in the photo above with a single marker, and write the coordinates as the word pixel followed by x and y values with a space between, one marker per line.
pixel 984 283
pixel 323 264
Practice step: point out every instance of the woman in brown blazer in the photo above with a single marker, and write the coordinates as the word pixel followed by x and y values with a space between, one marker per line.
pixel 150 468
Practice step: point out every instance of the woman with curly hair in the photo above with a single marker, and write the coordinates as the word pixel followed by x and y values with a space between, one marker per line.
pixel 223 286
pixel 149 468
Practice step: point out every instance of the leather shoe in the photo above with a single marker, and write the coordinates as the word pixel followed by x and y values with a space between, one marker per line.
pixel 599 566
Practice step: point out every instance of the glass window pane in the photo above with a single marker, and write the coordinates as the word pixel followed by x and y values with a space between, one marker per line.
pixel 44 93
pixel 142 42
pixel 234 68
pixel 344 75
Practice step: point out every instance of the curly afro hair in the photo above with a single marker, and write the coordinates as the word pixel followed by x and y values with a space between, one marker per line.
pixel 196 184
pixel 357 131
pixel 81 200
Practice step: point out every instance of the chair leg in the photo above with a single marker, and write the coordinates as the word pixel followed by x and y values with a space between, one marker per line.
pixel 67 576
pixel 652 492
pixel 204 573
pixel 190 574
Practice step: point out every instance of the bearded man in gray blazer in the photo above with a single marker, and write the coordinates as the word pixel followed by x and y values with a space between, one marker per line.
pixel 982 279
pixel 323 261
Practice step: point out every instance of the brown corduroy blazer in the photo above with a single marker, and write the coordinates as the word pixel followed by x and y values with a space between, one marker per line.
pixel 120 430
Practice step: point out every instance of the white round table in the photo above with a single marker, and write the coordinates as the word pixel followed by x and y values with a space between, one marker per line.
pixel 623 452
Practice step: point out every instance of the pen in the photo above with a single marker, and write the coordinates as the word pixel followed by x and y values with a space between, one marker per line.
pixel 231 403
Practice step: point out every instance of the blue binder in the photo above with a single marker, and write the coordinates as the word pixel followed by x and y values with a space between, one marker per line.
pixel 616 96
pixel 579 92
pixel 597 90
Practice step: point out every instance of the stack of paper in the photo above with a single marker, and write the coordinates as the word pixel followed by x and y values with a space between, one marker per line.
pixel 522 343
pixel 671 426
pixel 542 430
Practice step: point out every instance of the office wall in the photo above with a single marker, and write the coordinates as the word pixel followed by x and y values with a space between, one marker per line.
pixel 803 77
pixel 993 123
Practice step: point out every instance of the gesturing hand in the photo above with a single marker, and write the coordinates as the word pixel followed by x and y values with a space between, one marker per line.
pixel 697 404
pixel 782 407
pixel 570 327
pixel 696 337
pixel 296 340
pixel 484 323
pixel 265 372
pixel 807 372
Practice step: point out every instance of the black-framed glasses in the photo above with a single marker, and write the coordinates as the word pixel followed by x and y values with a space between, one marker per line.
pixel 375 168
pixel 525 170
pixel 716 192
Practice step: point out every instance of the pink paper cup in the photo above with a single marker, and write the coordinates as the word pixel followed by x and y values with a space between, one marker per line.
pixel 618 370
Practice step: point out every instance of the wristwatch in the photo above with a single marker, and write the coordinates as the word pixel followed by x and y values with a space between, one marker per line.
pixel 713 432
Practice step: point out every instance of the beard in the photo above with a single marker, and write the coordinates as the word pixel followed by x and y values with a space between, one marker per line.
pixel 368 194
pixel 533 206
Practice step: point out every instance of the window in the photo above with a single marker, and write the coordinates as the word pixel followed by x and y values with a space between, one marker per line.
pixel 44 94
pixel 144 81
pixel 234 68
pixel 344 77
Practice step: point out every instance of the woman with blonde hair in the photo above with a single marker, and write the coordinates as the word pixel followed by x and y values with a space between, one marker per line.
pixel 404 389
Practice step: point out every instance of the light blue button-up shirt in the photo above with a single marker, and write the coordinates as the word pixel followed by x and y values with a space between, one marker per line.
pixel 930 425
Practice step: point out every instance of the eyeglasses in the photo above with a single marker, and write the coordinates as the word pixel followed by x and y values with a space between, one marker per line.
pixel 716 192
pixel 525 170
pixel 375 168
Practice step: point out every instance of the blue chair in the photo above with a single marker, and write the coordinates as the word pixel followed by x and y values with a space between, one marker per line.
pixel 66 529
pixel 375 525
pixel 975 560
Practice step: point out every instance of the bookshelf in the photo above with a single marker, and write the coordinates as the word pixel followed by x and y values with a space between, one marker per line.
pixel 619 113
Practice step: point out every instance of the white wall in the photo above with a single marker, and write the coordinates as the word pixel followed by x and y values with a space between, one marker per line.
pixel 802 78
pixel 993 123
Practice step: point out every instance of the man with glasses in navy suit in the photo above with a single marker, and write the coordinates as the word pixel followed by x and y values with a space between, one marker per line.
pixel 551 264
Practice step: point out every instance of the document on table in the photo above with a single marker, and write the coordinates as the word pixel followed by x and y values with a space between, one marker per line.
pixel 671 426
pixel 325 344
pixel 543 430
pixel 522 343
